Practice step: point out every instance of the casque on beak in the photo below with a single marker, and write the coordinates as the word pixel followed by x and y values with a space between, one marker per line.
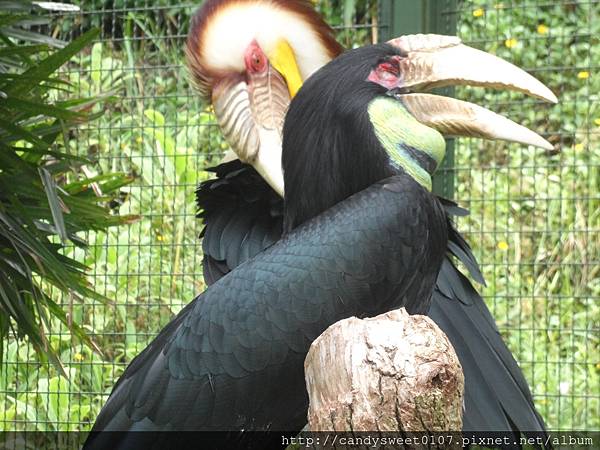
pixel 429 61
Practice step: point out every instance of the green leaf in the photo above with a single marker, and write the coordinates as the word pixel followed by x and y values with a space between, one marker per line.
pixel 96 65
pixel 155 117
pixel 52 63
pixel 15 132
pixel 349 12
pixel 54 202
pixel 46 202
pixel 37 108
pixel 15 5
pixel 22 50
pixel 24 35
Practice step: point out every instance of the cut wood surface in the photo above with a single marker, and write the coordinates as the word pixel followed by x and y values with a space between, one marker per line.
pixel 394 372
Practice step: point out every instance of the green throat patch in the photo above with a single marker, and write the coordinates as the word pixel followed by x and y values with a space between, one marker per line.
pixel 417 148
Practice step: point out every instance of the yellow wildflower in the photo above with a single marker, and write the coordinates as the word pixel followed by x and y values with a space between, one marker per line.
pixel 139 140
pixel 583 75
pixel 503 245
pixel 78 357
pixel 478 12
pixel 511 43
pixel 597 121
pixel 542 29
pixel 160 238
pixel 579 147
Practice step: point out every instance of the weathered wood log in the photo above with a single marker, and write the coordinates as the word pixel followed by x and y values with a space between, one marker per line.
pixel 394 372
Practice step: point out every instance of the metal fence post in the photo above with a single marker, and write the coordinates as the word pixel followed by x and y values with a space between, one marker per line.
pixel 398 17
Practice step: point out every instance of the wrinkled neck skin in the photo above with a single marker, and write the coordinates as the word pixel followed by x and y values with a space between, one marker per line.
pixel 416 148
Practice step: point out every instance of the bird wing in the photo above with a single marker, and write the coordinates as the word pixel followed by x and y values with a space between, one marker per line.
pixel 233 358
pixel 242 214
pixel 497 396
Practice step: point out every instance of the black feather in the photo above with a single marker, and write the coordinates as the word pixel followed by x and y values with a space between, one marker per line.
pixel 278 302
pixel 457 307
pixel 258 382
pixel 243 216
pixel 497 394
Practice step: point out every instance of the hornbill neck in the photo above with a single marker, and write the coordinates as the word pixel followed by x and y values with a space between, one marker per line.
pixel 413 148
pixel 357 136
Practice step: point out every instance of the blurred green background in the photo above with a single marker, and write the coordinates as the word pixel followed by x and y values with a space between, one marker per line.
pixel 534 224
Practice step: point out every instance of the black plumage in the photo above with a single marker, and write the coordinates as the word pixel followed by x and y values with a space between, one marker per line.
pixel 233 358
pixel 497 397
pixel 245 214
pixel 497 394
pixel 321 169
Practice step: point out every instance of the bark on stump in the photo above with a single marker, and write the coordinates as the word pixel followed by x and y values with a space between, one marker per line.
pixel 391 373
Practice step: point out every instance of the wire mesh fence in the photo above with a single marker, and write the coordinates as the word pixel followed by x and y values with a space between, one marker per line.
pixel 535 215
pixel 534 220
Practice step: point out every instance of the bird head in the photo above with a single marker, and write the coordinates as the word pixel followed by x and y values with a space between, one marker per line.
pixel 367 113
pixel 249 58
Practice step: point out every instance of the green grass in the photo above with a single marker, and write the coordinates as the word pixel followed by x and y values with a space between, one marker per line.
pixel 535 216
pixel 534 222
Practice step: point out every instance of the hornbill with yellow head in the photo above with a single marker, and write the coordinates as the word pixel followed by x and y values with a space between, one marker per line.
pixel 243 210
pixel 233 358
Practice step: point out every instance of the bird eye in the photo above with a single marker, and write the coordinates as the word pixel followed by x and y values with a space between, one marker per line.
pixel 258 61
pixel 387 70
pixel 389 67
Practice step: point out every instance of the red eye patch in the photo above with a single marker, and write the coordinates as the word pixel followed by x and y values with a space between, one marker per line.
pixel 255 59
pixel 386 74
pixel 258 62
pixel 388 67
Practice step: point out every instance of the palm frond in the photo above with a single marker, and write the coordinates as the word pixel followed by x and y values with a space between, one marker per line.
pixel 46 202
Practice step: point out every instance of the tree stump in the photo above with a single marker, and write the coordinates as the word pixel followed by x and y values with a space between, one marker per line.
pixel 391 373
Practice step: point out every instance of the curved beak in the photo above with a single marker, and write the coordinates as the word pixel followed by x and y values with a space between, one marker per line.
pixel 453 117
pixel 431 61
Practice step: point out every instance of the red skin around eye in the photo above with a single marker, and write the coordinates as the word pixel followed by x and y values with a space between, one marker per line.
pixel 387 75
pixel 384 78
pixel 255 59
pixel 388 67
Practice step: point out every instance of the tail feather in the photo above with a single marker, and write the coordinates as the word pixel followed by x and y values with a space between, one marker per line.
pixel 457 244
pixel 497 397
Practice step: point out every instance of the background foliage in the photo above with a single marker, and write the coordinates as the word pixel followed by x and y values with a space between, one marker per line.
pixel 47 195
pixel 534 221
pixel 535 216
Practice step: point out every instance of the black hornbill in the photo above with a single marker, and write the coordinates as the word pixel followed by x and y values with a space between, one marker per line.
pixel 233 358
pixel 244 215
